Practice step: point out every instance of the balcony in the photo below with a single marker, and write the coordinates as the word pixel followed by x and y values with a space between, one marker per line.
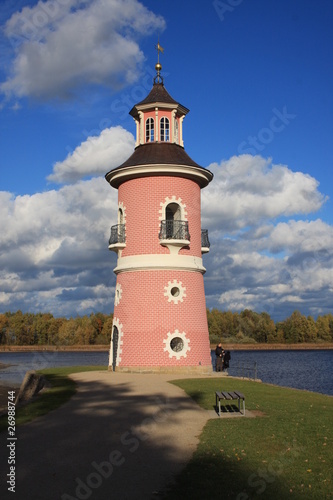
pixel 205 244
pixel 174 230
pixel 174 234
pixel 117 239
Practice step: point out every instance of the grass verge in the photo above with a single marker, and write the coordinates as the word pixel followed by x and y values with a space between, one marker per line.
pixel 286 451
pixel 61 390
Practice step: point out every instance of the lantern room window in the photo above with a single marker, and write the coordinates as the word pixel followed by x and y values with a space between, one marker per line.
pixel 165 129
pixel 176 132
pixel 150 130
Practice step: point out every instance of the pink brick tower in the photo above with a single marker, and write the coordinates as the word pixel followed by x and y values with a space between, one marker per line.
pixel 160 322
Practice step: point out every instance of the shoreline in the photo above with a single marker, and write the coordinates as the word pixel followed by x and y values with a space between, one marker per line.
pixel 275 347
pixel 54 348
pixel 226 346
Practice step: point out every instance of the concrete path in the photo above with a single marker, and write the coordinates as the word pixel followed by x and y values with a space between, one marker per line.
pixel 122 436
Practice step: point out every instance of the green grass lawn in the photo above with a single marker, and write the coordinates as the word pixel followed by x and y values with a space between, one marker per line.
pixel 286 451
pixel 61 390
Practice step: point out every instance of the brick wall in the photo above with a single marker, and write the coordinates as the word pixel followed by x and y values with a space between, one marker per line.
pixel 146 317
pixel 142 200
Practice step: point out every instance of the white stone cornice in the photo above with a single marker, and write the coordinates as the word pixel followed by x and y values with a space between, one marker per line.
pixel 151 262
pixel 181 110
pixel 122 174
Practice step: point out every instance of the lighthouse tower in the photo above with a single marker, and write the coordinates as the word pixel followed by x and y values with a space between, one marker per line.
pixel 159 322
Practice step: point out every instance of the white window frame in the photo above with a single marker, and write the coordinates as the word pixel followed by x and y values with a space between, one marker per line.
pixel 165 129
pixel 150 129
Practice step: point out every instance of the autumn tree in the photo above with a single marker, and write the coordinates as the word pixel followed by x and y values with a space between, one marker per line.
pixel 214 327
pixel 323 328
pixel 42 323
pixel 247 322
pixel 3 328
pixel 67 332
pixel 85 332
pixel 330 322
pixel 265 329
pixel 53 330
pixel 298 328
pixel 21 329
pixel 107 329
pixel 311 331
pixel 98 320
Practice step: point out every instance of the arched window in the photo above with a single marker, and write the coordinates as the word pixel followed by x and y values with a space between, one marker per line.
pixel 173 212
pixel 172 216
pixel 165 129
pixel 121 226
pixel 150 130
pixel 174 225
pixel 120 216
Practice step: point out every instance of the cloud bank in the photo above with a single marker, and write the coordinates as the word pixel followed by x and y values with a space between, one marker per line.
pixel 61 45
pixel 247 189
pixel 53 249
pixel 265 254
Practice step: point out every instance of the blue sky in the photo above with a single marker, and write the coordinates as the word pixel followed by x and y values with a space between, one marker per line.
pixel 257 77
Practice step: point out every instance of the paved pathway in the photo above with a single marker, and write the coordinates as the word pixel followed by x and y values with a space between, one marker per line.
pixel 122 436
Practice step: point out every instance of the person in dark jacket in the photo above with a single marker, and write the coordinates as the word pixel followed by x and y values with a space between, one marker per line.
pixel 219 357
pixel 226 359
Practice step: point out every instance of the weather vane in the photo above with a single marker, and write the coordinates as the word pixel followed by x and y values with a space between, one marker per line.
pixel 159 49
pixel 158 66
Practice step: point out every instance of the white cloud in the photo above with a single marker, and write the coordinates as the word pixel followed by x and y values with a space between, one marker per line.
pixel 244 273
pixel 54 256
pixel 249 189
pixel 301 236
pixel 61 45
pixel 256 262
pixel 43 221
pixel 53 248
pixel 95 156
pixel 237 300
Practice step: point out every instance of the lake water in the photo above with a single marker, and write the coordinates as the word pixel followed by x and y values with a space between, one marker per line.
pixel 310 370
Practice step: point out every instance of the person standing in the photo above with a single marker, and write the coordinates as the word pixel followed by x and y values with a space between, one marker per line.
pixel 226 359
pixel 219 357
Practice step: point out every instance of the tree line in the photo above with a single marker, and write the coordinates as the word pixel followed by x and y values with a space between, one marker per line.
pixel 245 327
pixel 43 329
pixel 251 327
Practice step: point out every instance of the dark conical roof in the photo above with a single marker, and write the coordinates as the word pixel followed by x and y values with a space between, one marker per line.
pixel 157 94
pixel 162 159
pixel 159 153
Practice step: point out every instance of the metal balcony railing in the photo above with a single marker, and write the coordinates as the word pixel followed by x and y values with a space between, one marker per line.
pixel 204 238
pixel 117 234
pixel 174 230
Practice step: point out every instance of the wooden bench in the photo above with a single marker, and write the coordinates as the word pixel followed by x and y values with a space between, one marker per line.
pixel 229 396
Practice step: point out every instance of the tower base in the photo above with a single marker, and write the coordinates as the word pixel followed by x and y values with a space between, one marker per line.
pixel 165 369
